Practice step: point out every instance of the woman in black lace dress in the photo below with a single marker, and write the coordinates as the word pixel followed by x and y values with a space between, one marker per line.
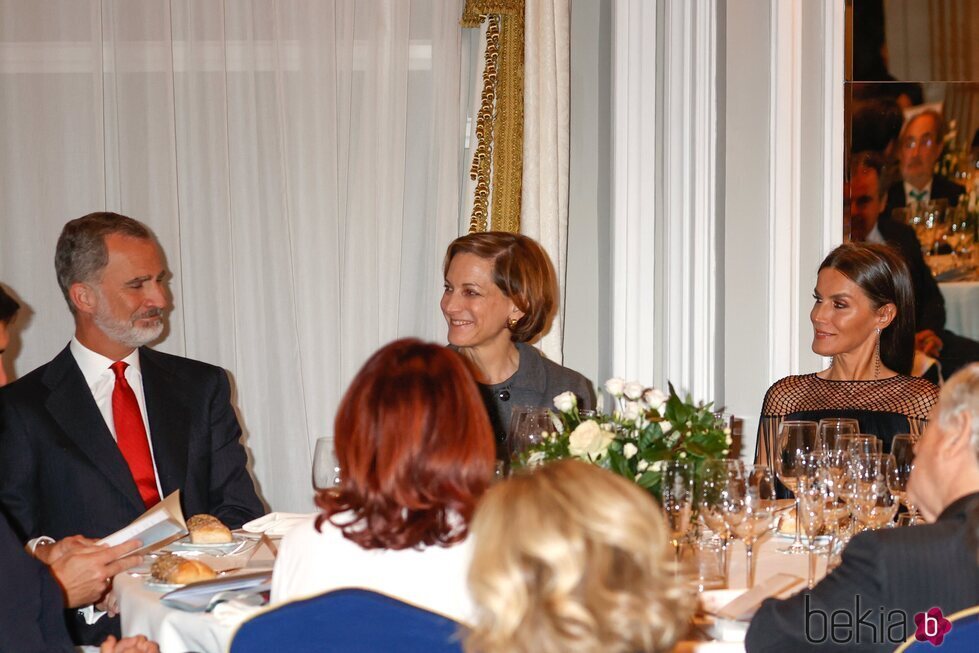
pixel 863 317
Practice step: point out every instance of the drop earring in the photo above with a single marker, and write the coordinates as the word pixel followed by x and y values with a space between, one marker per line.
pixel 877 357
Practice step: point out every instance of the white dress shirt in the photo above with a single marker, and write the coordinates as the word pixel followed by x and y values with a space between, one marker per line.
pixel 875 236
pixel 101 380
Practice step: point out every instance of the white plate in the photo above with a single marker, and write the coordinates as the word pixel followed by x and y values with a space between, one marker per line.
pixel 160 586
pixel 223 547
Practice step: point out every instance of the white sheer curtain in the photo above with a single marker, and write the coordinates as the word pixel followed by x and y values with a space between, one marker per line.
pixel 547 129
pixel 300 162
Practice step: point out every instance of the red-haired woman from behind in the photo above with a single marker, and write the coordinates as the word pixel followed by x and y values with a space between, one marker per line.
pixel 416 451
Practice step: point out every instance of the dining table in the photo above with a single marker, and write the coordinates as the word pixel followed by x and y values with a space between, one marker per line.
pixel 180 631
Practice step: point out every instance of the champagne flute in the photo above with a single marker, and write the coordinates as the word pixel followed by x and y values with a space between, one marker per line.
pixel 749 508
pixel 714 480
pixel 796 439
pixel 902 448
pixel 677 499
pixel 831 428
pixel 326 470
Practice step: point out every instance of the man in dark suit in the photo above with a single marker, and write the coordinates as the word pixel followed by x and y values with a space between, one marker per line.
pixel 92 439
pixel 888 576
pixel 950 349
pixel 919 147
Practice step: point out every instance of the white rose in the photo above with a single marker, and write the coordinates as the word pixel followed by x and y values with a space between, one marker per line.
pixel 565 402
pixel 643 465
pixel 655 398
pixel 615 386
pixel 589 440
pixel 633 390
pixel 630 450
pixel 632 411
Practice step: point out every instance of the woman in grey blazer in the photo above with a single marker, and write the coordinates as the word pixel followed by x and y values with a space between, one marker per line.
pixel 500 294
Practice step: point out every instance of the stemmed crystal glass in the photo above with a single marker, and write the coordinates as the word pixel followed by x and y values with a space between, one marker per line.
pixel 749 508
pixel 326 470
pixel 715 476
pixel 831 428
pixel 902 448
pixel 527 426
pixel 817 501
pixel 871 501
pixel 677 498
pixel 796 440
pixel 860 443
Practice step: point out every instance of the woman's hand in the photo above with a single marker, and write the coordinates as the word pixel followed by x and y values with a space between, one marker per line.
pixel 928 342
pixel 138 644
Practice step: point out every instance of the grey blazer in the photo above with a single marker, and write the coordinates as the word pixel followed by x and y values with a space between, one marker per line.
pixel 536 382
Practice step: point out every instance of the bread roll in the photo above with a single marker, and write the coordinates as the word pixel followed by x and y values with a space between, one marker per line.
pixel 206 529
pixel 180 571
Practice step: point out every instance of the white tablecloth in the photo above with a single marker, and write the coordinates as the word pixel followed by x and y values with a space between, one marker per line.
pixel 177 631
pixel 962 307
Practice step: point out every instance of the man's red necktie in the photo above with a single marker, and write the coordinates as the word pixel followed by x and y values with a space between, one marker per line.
pixel 131 436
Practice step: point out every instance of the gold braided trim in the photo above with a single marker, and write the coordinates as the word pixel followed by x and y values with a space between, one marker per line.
pixel 499 122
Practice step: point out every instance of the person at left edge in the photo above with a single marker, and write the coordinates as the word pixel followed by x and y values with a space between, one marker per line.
pixel 93 438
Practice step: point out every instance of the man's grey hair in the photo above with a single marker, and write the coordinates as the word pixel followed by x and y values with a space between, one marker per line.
pixel 81 254
pixel 960 395
pixel 936 117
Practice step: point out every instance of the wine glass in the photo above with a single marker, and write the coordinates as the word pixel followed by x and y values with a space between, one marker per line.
pixel 677 500
pixel 860 443
pixel 831 428
pixel 749 508
pixel 871 500
pixel 714 477
pixel 528 425
pixel 816 506
pixel 326 470
pixel 796 439
pixel 902 448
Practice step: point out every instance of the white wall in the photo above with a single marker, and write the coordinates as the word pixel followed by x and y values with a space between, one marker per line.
pixel 587 344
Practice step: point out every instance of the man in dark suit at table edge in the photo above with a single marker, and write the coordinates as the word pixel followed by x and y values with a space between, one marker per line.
pixel 919 146
pixel 896 573
pixel 98 435
pixel 867 223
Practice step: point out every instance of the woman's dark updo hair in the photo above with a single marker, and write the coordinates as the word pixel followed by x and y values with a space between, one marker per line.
pixel 883 276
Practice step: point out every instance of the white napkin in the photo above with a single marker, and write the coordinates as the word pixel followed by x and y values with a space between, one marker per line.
pixel 232 613
pixel 277 523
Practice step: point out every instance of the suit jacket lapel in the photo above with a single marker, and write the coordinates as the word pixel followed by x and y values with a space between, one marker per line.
pixel 167 412
pixel 72 406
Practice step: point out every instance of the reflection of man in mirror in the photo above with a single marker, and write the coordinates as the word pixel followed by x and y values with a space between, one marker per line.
pixel 919 147
pixel 866 204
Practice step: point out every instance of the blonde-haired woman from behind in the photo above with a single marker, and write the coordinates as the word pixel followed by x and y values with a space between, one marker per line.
pixel 572 558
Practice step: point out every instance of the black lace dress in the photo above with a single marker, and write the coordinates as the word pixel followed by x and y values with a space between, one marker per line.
pixel 884 408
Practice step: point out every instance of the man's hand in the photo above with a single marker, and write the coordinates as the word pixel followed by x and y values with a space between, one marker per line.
pixel 928 342
pixel 109 603
pixel 138 644
pixel 85 571
pixel 48 553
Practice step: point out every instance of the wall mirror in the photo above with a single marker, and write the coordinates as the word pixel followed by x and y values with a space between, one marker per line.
pixel 905 57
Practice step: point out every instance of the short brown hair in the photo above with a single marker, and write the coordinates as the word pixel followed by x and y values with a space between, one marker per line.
pixel 8 307
pixel 415 450
pixel 521 269
pixel 81 253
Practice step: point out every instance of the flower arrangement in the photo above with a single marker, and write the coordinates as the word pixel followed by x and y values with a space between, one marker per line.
pixel 645 429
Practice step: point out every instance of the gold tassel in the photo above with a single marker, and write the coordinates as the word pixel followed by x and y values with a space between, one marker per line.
pixel 499 123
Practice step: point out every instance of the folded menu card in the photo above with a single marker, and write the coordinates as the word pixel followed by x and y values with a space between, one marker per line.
pixel 204 595
pixel 159 525
pixel 746 604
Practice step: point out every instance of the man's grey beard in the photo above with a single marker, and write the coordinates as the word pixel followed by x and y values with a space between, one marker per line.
pixel 126 333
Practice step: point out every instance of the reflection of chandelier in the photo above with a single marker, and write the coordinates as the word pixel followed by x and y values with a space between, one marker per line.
pixel 497 166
